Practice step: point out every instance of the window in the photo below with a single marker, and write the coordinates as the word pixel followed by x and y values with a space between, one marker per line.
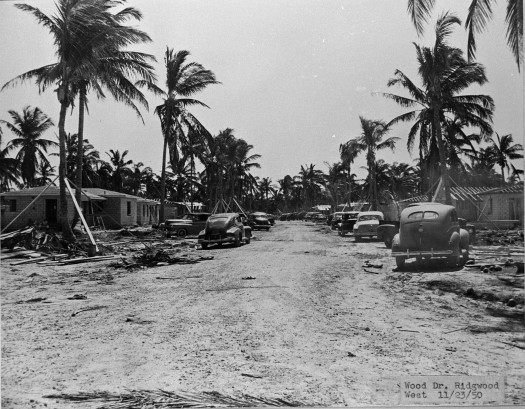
pixel 129 208
pixel 415 216
pixel 430 215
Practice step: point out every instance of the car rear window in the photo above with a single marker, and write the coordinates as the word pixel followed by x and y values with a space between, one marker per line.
pixel 430 215
pixel 415 216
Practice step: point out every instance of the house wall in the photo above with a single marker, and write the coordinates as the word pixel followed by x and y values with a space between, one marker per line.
pixel 114 212
pixel 497 209
pixel 36 212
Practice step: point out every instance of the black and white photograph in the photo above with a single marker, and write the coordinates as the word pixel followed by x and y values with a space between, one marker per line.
pixel 261 203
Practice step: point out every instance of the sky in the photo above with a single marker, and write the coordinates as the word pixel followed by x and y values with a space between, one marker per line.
pixel 295 74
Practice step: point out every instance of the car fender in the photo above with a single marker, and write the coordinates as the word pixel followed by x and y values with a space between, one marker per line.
pixel 464 238
pixel 232 230
pixel 247 231
pixel 454 242
pixel 395 243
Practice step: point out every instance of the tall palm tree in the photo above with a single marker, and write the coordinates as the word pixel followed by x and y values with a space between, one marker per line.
pixel 348 152
pixel 503 150
pixel 334 179
pixel 120 168
pixel 28 128
pixel 76 26
pixel 9 167
pixel 182 80
pixel 310 180
pixel 444 73
pixel 371 141
pixel 286 187
pixel 479 14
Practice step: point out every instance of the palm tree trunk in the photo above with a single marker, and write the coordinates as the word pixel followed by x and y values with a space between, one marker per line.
pixel 442 156
pixel 503 174
pixel 80 149
pixel 163 181
pixel 67 233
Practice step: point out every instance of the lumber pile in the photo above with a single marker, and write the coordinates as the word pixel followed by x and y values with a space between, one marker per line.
pixel 492 258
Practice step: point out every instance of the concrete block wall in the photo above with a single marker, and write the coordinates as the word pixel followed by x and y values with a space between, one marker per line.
pixel 36 212
pixel 125 218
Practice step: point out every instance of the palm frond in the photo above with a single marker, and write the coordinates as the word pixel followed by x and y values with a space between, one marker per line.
pixel 514 20
pixel 479 13
pixel 420 11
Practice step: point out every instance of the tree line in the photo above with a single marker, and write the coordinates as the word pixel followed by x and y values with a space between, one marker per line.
pixel 91 40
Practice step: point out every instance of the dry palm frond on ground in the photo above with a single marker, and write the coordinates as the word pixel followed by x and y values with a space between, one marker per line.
pixel 151 399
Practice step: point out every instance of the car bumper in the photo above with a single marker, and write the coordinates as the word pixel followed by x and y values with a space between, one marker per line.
pixel 422 253
pixel 211 240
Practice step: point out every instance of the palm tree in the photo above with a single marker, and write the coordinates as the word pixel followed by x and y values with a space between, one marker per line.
pixel 444 73
pixel 182 80
pixel 310 181
pixel 503 151
pixel 120 168
pixel 76 27
pixel 265 188
pixel 286 187
pixel 28 128
pixel 348 152
pixel 371 141
pixel 46 172
pixel 334 181
pixel 479 14
pixel 9 167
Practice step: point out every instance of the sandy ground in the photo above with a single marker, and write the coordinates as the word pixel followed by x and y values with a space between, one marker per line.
pixel 311 325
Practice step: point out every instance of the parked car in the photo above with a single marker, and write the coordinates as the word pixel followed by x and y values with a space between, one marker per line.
pixel 188 225
pixel 336 219
pixel 224 228
pixel 271 218
pixel 430 230
pixel 259 221
pixel 367 224
pixel 347 222
pixel 319 218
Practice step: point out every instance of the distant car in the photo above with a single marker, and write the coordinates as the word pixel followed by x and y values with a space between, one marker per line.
pixel 366 224
pixel 336 219
pixel 225 228
pixel 346 224
pixel 259 221
pixel 319 218
pixel 430 230
pixel 188 225
pixel 271 218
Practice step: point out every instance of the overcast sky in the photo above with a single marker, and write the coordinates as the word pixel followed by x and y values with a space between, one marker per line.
pixel 296 74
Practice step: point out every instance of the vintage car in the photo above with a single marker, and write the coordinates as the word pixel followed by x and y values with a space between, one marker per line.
pixel 430 230
pixel 366 224
pixel 319 218
pixel 271 218
pixel 222 228
pixel 259 221
pixel 337 217
pixel 346 224
pixel 188 225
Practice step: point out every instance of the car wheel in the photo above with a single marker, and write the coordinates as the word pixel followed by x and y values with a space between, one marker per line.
pixel 388 242
pixel 182 233
pixel 237 241
pixel 267 229
pixel 247 240
pixel 400 261
pixel 357 239
pixel 204 246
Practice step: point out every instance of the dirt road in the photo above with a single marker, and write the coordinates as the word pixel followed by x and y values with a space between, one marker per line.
pixel 291 315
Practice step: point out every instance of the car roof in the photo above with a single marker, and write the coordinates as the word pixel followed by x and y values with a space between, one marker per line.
pixel 428 206
pixel 371 212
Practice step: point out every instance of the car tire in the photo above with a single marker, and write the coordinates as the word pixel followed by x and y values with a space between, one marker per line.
pixel 204 246
pixel 388 242
pixel 400 261
pixel 247 240
pixel 357 239
pixel 237 241
pixel 267 229
pixel 181 233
